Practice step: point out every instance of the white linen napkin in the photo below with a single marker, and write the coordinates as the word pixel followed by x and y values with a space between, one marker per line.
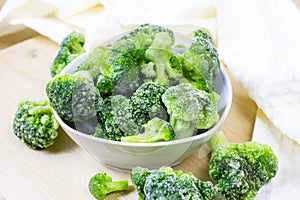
pixel 99 22
pixel 260 43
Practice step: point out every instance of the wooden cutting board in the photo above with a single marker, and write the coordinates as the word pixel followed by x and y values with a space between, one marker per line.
pixel 63 170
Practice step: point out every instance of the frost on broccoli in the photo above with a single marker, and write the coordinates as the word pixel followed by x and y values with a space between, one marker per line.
pixel 128 52
pixel 241 169
pixel 70 48
pixel 146 103
pixel 200 62
pixel 156 130
pixel 100 185
pixel 166 183
pixel 34 124
pixel 73 96
pixel 160 54
pixel 96 62
pixel 190 109
pixel 115 119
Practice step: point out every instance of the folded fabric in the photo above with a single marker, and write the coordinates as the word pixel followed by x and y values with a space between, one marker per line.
pixel 99 20
pixel 286 182
pixel 259 41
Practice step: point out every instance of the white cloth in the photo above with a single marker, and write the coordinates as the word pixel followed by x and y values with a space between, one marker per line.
pixel 260 43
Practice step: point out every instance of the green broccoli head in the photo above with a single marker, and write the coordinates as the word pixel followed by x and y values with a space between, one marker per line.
pixel 115 120
pixel 128 52
pixel 70 48
pixel 144 34
pixel 34 124
pixel 200 62
pixel 156 130
pixel 100 185
pixel 190 108
pixel 122 115
pixel 138 177
pixel 73 97
pixel 242 169
pixel 166 183
pixel 146 103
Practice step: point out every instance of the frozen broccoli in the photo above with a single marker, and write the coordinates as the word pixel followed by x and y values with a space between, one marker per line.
pixel 100 185
pixel 34 124
pixel 115 119
pixel 166 183
pixel 156 130
pixel 74 96
pixel 241 169
pixel 129 52
pixel 160 54
pixel 200 62
pixel 70 48
pixel 146 103
pixel 190 109
pixel 96 62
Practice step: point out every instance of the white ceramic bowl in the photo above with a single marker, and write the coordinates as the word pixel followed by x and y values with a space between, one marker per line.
pixel 151 155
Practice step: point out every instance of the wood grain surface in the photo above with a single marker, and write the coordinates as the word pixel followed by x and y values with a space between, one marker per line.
pixel 63 170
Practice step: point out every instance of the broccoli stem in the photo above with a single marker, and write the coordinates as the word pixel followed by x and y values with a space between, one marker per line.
pixel 217 139
pixel 143 138
pixel 161 77
pixel 40 110
pixel 117 186
pixel 183 129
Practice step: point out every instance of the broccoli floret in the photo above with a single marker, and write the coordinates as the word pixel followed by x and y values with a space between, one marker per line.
pixel 144 34
pixel 166 183
pixel 100 185
pixel 74 97
pixel 107 127
pixel 160 54
pixel 156 130
pixel 96 62
pixel 34 124
pixel 146 103
pixel 190 108
pixel 115 120
pixel 105 85
pixel 70 48
pixel 200 62
pixel 241 169
pixel 129 51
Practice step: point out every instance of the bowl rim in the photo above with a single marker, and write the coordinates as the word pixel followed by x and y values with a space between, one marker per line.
pixel 209 132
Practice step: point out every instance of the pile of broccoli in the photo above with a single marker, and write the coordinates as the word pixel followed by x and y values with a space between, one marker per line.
pixel 239 169
pixel 140 89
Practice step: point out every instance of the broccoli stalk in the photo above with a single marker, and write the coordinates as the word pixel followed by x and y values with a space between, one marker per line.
pixel 240 169
pixel 156 130
pixel 34 124
pixel 160 54
pixel 100 185
pixel 190 109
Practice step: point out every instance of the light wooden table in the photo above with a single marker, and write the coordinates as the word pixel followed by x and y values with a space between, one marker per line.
pixel 63 170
